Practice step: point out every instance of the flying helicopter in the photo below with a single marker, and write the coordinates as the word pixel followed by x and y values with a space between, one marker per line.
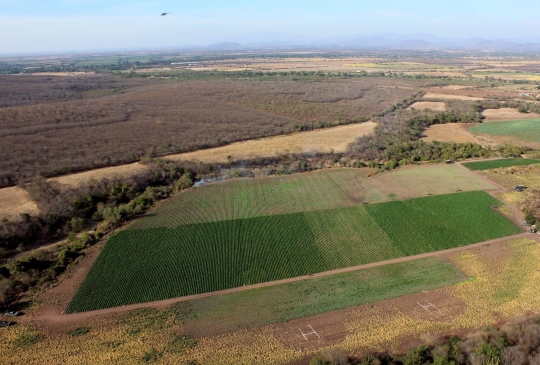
pixel 163 14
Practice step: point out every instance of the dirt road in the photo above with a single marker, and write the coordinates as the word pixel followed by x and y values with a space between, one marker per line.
pixel 58 318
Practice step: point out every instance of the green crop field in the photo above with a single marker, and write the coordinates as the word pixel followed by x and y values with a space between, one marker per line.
pixel 527 130
pixel 495 164
pixel 158 263
pixel 319 190
pixel 284 302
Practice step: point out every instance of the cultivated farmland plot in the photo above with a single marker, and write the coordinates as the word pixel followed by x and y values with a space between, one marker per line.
pixel 526 130
pixel 307 192
pixel 158 263
pixel 495 164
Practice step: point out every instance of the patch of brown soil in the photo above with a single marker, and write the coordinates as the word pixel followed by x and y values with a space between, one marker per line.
pixel 54 301
pixel 73 180
pixel 329 328
pixel 336 138
pixel 440 95
pixel 437 106
pixel 438 306
pixel 313 332
pixel 368 171
pixel 472 93
pixel 452 132
pixel 493 115
pixel 15 201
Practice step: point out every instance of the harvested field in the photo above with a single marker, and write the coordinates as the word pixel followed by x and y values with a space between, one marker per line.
pixel 15 201
pixel 433 105
pixel 215 256
pixel 451 133
pixel 493 115
pixel 324 140
pixel 122 171
pixel 413 182
pixel 516 175
pixel 432 95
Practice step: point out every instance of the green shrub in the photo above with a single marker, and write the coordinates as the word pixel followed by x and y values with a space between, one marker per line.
pixel 79 331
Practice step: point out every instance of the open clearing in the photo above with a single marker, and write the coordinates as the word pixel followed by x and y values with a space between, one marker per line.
pixel 493 115
pixel 319 190
pixel 159 263
pixel 122 171
pixel 525 131
pixel 516 175
pixel 437 106
pixel 495 164
pixel 323 140
pixel 431 95
pixel 450 132
pixel 15 201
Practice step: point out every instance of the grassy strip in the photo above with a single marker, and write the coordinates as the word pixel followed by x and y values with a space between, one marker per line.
pixel 159 263
pixel 285 302
pixel 495 164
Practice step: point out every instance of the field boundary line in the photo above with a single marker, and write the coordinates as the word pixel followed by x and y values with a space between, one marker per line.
pixel 67 318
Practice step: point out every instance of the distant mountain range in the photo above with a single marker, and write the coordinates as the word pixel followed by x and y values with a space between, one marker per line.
pixel 388 41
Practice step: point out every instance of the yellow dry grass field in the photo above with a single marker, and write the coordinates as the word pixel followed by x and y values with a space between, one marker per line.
pixel 493 115
pixel 73 180
pixel 437 73
pixel 437 106
pixel 15 201
pixel 454 87
pixel 283 64
pixel 63 74
pixel 452 133
pixel 336 138
pixel 509 76
pixel 503 284
pixel 516 175
pixel 449 96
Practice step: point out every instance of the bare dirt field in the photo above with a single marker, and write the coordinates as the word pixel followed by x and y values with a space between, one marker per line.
pixel 453 87
pixel 453 133
pixel 336 139
pixel 437 106
pixel 493 115
pixel 73 180
pixel 432 95
pixel 15 201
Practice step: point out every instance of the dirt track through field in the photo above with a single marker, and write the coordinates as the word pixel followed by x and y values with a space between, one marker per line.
pixel 55 317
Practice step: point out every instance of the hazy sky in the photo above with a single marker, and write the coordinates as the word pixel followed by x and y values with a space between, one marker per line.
pixel 42 26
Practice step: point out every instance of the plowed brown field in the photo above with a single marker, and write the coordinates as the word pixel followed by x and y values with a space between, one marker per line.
pixel 493 115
